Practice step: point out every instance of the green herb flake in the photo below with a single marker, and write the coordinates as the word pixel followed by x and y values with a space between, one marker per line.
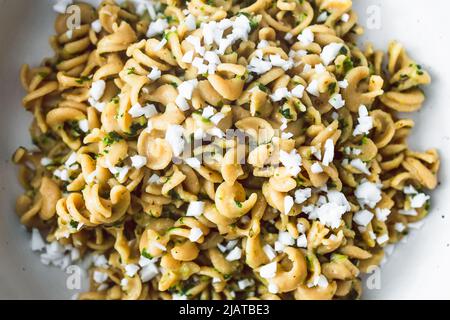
pixel 111 138
pixel 74 224
pixel 145 254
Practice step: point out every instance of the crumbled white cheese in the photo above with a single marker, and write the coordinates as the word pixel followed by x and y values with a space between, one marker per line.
pixel 100 277
pixel 46 161
pixel 410 212
pixel 188 56
pixel 329 213
pixel 190 22
pixel 328 155
pixel 138 161
pixel 345 17
pixel 409 190
pixel 292 161
pixel 245 283
pixel 270 253
pixel 365 122
pixel 383 239
pixel 148 111
pixel 193 163
pixel 330 51
pixel 288 204
pixel 37 243
pixel 198 63
pixel 154 179
pixel 186 88
pixel 84 125
pixel 159 246
pixel 368 193
pixel 336 101
pixel 399 227
pixel 322 17
pixel 343 84
pixel 363 217
pixel 217 118
pixel 313 88
pixel 131 270
pixel 195 209
pixel 154 74
pixel 62 174
pixel 298 91
pixel 302 242
pixel 97 89
pixel 306 37
pixel 322 281
pixel 301 227
pixel 96 26
pixel 174 136
pixel 280 94
pixel 360 165
pixel 301 195
pixel 268 271
pixel 182 103
pixel 234 254
pixel 259 66
pixel 277 61
pixel 418 200
pixel 272 288
pixel 148 272
pixel 157 27
pixel 316 168
pixel 285 238
pixel 100 261
pixel 72 159
pixel 382 214
pixel 195 234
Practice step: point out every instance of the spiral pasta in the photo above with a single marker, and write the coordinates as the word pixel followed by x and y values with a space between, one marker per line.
pixel 222 149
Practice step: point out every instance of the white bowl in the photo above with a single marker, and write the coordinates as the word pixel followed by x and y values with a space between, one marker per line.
pixel 418 268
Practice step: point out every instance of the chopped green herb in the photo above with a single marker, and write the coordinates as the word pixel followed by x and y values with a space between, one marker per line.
pixel 131 70
pixel 263 87
pixel 111 138
pixel 146 254
pixel 74 224
pixel 43 75
pixel 115 100
pixel 238 204
pixel 286 113
pixel 332 87
pixel 83 79
pixel 347 64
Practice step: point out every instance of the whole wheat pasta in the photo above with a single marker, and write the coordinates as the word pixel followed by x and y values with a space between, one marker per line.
pixel 219 150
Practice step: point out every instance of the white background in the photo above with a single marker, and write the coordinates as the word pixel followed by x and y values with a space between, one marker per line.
pixel 418 269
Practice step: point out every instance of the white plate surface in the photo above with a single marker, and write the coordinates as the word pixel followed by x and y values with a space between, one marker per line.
pixel 418 268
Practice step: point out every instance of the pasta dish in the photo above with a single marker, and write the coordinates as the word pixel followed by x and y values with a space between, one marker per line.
pixel 220 149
